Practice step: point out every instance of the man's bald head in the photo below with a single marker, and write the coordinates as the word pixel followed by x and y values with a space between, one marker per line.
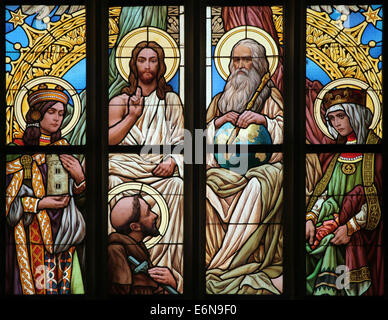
pixel 125 212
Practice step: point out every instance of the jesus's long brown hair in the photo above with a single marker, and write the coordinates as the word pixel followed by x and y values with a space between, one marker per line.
pixel 162 87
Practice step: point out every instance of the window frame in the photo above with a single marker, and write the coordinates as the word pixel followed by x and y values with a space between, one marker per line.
pixel 294 150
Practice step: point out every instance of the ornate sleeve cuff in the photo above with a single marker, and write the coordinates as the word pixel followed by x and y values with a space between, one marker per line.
pixel 30 204
pixel 311 216
pixel 79 188
pixel 352 226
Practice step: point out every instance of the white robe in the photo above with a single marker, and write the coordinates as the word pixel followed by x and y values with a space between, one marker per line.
pixel 161 123
pixel 244 210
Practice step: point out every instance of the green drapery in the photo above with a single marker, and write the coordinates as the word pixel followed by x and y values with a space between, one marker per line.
pixel 322 261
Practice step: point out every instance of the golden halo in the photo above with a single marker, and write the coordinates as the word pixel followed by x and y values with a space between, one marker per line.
pixel 161 37
pixel 223 50
pixel 373 104
pixel 21 100
pixel 153 193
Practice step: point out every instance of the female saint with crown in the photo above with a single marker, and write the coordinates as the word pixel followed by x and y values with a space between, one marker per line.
pixel 344 228
pixel 44 193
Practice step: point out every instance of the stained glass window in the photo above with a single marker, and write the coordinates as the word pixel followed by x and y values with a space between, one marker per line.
pixel 45 46
pixel 45 225
pixel 244 230
pixel 343 50
pixel 146 64
pixel 45 228
pixel 244 233
pixel 286 198
pixel 146 94
pixel 260 30
pixel 344 227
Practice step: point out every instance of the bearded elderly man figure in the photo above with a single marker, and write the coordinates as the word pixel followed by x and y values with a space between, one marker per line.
pixel 244 231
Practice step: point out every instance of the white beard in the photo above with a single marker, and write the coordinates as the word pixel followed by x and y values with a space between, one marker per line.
pixel 238 90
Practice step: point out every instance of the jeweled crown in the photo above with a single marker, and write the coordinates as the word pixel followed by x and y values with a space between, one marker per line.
pixel 345 95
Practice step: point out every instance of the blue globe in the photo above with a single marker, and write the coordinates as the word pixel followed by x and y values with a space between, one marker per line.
pixel 240 163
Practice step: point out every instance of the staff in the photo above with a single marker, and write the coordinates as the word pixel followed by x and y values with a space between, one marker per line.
pixel 250 104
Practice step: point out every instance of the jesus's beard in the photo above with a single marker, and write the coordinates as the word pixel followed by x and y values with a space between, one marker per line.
pixel 239 89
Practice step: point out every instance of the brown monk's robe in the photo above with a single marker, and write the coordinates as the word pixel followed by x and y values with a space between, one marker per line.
pixel 121 277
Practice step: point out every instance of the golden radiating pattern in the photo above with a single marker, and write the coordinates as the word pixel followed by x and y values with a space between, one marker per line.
pixel 52 51
pixel 339 51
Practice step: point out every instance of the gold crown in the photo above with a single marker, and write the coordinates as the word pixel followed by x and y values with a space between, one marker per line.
pixel 346 95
